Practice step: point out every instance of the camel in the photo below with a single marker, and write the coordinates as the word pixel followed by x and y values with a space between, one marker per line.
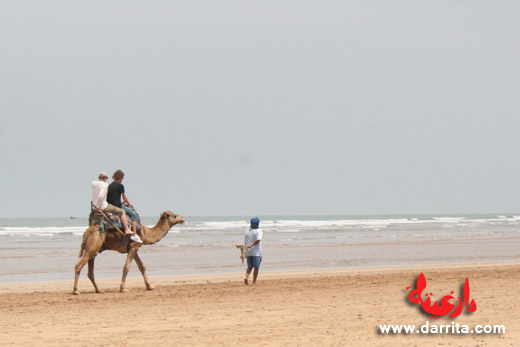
pixel 95 242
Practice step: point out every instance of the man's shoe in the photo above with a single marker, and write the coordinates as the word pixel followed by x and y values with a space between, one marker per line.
pixel 136 238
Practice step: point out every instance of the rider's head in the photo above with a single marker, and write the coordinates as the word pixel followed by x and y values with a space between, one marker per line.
pixel 118 174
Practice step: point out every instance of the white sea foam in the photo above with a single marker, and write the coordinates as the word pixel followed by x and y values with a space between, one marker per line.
pixel 21 231
pixel 234 225
pixel 448 218
pixel 289 230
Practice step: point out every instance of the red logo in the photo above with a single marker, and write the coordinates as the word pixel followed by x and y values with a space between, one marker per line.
pixel 445 307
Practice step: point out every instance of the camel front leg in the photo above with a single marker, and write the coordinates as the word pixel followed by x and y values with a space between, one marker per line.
pixel 91 274
pixel 142 268
pixel 126 268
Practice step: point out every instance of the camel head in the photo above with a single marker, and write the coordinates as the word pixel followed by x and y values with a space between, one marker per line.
pixel 172 218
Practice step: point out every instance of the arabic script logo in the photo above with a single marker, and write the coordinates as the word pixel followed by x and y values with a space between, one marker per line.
pixel 445 307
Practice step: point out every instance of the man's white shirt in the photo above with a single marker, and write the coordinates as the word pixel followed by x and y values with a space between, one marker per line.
pixel 99 194
pixel 250 237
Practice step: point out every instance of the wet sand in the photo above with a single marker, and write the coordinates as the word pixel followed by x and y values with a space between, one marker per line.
pixel 341 307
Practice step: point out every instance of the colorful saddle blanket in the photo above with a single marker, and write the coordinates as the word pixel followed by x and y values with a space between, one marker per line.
pixel 108 220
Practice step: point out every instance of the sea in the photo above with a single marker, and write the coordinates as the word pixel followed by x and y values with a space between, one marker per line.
pixel 46 249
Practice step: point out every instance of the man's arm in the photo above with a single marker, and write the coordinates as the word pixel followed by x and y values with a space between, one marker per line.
pixel 258 238
pixel 125 199
pixel 254 243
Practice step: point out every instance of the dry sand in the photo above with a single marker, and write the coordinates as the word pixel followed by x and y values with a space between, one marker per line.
pixel 303 308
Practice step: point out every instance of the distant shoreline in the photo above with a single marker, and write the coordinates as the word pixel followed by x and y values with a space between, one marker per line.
pixel 135 280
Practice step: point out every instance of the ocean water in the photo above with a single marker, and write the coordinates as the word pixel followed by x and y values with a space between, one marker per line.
pixel 44 249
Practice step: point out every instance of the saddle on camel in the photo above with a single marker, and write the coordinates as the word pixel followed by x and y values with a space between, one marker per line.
pixel 109 221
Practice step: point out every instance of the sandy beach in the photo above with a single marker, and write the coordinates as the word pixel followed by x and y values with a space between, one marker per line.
pixel 341 307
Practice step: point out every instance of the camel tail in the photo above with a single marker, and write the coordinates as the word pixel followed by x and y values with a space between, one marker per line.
pixel 86 234
pixel 82 249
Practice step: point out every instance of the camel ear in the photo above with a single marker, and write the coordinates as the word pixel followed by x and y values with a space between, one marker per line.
pixel 163 215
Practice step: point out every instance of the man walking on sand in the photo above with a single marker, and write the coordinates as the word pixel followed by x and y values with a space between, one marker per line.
pixel 252 239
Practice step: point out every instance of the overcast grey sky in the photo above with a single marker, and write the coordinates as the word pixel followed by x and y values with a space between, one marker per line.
pixel 261 107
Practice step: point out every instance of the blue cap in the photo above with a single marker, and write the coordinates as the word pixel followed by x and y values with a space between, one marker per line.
pixel 255 222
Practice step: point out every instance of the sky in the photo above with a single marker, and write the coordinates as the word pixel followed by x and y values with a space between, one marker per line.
pixel 261 107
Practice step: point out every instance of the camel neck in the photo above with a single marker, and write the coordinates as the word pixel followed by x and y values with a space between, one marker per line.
pixel 152 235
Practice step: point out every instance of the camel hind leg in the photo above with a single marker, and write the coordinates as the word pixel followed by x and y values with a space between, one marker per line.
pixel 91 274
pixel 90 247
pixel 78 267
